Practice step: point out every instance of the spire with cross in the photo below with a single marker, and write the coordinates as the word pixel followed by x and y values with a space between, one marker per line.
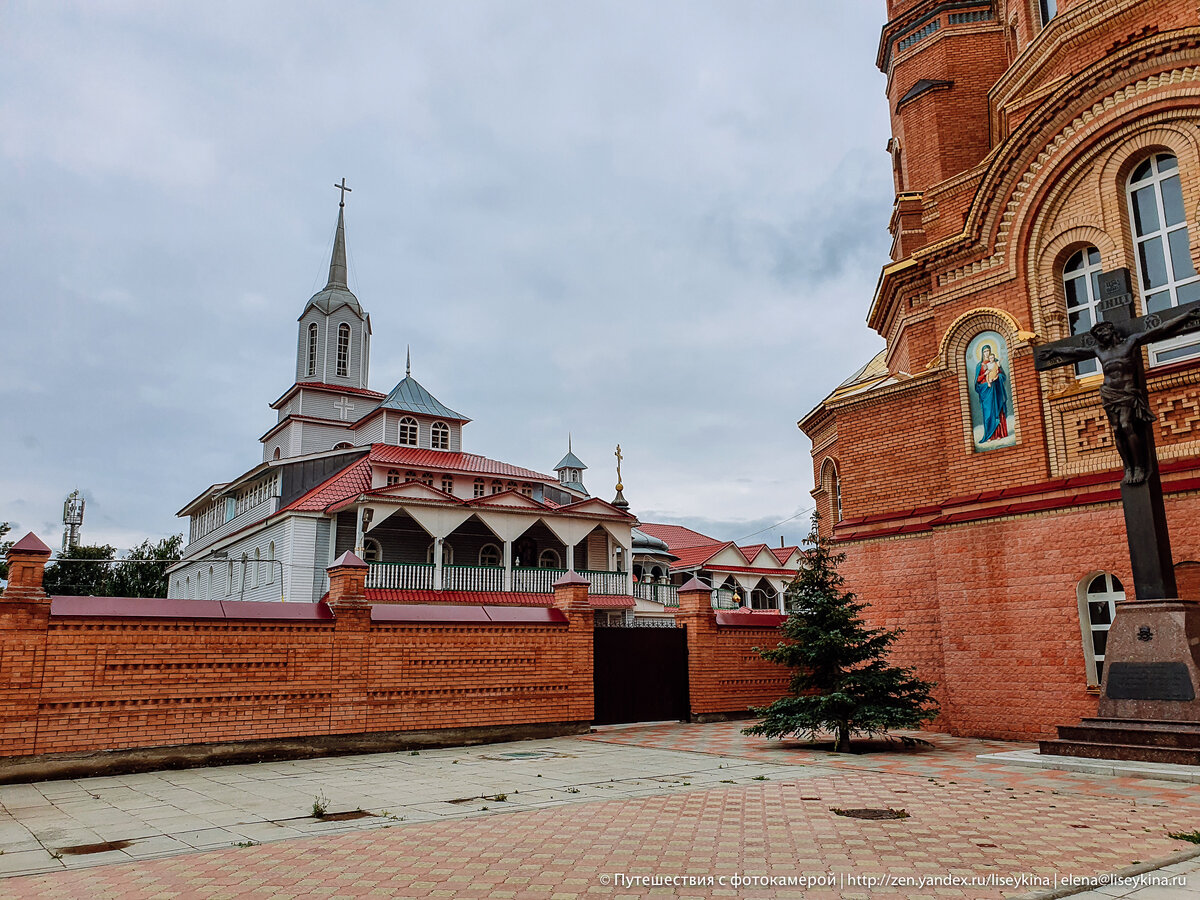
pixel 345 190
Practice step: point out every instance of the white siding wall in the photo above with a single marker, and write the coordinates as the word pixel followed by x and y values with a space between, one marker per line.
pixel 313 315
pixel 303 542
pixel 371 433
pixel 222 589
pixel 323 437
pixel 355 374
pixel 327 406
pixel 320 579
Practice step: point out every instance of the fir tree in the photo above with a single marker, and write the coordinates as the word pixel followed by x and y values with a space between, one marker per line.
pixel 842 682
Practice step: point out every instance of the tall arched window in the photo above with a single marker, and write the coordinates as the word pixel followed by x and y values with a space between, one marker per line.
pixel 311 368
pixel 447 553
pixel 393 476
pixel 408 432
pixel 229 582
pixel 276 454
pixel 834 487
pixel 1081 287
pixel 439 436
pixel 343 349
pixel 212 583
pixel 271 563
pixel 479 488
pixel 257 565
pixel 1098 598
pixel 1166 274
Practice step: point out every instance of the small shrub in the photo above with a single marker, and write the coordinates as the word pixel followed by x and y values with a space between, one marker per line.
pixel 320 805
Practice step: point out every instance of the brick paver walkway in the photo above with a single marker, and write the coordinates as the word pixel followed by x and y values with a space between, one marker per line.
pixel 964 818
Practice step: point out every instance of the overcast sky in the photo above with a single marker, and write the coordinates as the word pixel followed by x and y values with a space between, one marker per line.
pixel 658 224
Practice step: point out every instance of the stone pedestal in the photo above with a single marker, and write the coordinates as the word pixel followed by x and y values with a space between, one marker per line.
pixel 1152 669
pixel 1150 699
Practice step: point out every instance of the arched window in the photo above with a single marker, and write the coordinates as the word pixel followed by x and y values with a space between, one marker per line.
pixel 372 551
pixel 1098 598
pixel 188 588
pixel 393 476
pixel 257 565
pixel 833 484
pixel 212 583
pixel 277 452
pixel 427 479
pixel 490 555
pixel 548 559
pixel 271 563
pixel 439 436
pixel 527 489
pixel 497 486
pixel 479 487
pixel 311 368
pixel 447 553
pixel 343 445
pixel 448 484
pixel 245 571
pixel 1166 274
pixel 229 582
pixel 1081 287
pixel 408 432
pixel 343 349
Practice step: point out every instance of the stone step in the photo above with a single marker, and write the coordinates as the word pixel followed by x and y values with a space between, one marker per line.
pixel 1142 737
pixel 1185 756
pixel 1142 724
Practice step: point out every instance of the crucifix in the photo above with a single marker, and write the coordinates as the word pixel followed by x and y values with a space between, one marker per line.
pixel 344 408
pixel 345 190
pixel 1117 340
pixel 619 457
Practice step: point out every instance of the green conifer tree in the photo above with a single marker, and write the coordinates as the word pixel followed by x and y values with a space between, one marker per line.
pixel 842 682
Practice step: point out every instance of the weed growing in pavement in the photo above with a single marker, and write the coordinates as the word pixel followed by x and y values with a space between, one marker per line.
pixel 414 752
pixel 760 778
pixel 572 790
pixel 728 781
pixel 499 798
pixel 320 805
pixel 246 844
pixel 1192 836
pixel 388 814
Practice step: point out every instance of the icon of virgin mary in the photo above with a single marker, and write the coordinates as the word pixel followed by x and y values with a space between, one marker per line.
pixel 991 385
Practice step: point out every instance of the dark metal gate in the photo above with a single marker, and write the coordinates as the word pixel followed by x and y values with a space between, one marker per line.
pixel 640 675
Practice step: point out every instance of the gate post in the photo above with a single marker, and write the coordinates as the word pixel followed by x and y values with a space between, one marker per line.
pixel 696 615
pixel 571 597
pixel 351 644
pixel 24 632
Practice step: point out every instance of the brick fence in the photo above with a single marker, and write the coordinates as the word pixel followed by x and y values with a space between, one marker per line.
pixel 247 680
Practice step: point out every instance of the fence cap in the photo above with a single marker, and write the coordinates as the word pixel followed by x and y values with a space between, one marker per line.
pixel 572 577
pixel 348 559
pixel 30 544
pixel 694 584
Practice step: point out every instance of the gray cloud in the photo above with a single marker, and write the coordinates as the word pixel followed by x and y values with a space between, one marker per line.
pixel 658 224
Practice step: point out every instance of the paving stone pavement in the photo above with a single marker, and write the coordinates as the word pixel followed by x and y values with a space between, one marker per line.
pixel 595 815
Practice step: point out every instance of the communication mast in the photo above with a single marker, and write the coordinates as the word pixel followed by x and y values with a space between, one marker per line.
pixel 72 521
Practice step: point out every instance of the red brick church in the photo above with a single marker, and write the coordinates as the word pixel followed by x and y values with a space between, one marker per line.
pixel 1034 146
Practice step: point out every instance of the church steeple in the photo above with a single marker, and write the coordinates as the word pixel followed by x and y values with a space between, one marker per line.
pixel 335 332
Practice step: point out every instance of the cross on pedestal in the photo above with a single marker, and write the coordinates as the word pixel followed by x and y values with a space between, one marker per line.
pixel 1117 340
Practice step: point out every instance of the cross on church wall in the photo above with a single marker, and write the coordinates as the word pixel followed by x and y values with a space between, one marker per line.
pixel 344 408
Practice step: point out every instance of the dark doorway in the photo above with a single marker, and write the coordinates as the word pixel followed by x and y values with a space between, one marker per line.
pixel 640 675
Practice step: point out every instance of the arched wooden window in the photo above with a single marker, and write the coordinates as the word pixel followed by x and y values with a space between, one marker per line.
pixel 439 436
pixel 408 432
pixel 448 484
pixel 311 368
pixel 372 551
pixel 393 476
pixel 1098 598
pixel 1081 287
pixel 271 563
pixel 497 486
pixel 257 565
pixel 277 452
pixel 490 555
pixel 479 488
pixel 343 445
pixel 549 559
pixel 1166 274
pixel 343 349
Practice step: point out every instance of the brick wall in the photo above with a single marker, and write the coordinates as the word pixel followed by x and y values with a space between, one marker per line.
pixel 83 673
pixel 725 674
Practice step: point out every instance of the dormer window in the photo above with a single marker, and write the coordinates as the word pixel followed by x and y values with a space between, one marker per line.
pixel 343 350
pixel 311 369
pixel 393 477
pixel 439 436
pixel 408 432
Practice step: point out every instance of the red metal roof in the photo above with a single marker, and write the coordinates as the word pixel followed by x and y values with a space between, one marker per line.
pixel 752 570
pixel 322 386
pixel 475 598
pixel 350 482
pixel 783 554
pixel 695 556
pixel 751 550
pixel 472 463
pixel 610 601
pixel 677 536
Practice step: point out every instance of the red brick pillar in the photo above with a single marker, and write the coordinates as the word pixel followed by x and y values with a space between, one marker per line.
pixel 697 616
pixel 571 597
pixel 351 644
pixel 24 623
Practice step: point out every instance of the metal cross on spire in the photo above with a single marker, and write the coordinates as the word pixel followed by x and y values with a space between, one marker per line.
pixel 342 187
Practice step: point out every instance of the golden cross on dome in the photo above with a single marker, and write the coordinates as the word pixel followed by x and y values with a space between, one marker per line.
pixel 619 457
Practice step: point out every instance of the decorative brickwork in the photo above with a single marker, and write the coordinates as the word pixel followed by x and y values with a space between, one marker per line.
pixel 980 556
